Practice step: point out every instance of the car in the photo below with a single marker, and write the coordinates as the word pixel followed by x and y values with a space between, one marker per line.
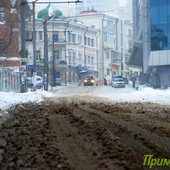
pixel 89 81
pixel 118 81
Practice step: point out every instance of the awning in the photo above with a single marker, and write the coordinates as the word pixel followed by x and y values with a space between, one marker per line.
pixel 72 67
pixel 82 69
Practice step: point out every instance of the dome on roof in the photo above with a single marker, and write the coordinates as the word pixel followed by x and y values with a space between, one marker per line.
pixel 49 11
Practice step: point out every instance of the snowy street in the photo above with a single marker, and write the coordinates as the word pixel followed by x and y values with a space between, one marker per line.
pixel 74 127
pixel 104 92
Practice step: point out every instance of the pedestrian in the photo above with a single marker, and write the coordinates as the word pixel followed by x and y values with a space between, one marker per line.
pixel 105 81
pixel 133 81
pixel 137 84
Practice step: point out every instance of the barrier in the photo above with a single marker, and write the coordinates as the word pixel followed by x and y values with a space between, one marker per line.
pixel 9 80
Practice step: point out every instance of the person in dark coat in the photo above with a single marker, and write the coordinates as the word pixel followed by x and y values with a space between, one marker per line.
pixel 133 81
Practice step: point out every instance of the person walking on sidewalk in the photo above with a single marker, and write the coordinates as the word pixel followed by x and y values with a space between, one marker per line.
pixel 133 81
pixel 137 84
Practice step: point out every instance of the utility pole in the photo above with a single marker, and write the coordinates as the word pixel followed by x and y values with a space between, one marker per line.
pixel 45 54
pixel 23 52
pixel 22 14
pixel 34 48
pixel 34 38
pixel 53 67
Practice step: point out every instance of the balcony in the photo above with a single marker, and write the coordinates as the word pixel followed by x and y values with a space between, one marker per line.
pixel 116 60
pixel 61 63
pixel 56 42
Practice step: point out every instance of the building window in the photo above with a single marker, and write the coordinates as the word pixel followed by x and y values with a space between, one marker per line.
pixel 88 41
pixel 69 55
pixel 109 37
pixel 108 72
pixel 40 35
pixel 73 38
pixel 80 39
pixel 92 42
pixel 130 45
pixel 92 61
pixel 107 55
pixel 2 14
pixel 85 40
pixel 74 58
pixel 85 60
pixel 79 58
pixel 38 55
pixel 57 56
pixel 2 47
pixel 55 36
pixel 88 60
pixel 28 36
pixel 69 36
pixel 129 33
pixel 160 27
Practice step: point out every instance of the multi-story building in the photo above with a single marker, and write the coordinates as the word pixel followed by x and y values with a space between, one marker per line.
pixel 152 42
pixel 115 43
pixel 9 34
pixel 72 48
pixel 126 36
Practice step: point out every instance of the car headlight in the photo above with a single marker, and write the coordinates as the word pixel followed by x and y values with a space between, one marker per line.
pixel 92 81
pixel 85 81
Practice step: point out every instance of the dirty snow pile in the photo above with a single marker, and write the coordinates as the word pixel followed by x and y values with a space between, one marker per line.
pixel 10 98
pixel 129 94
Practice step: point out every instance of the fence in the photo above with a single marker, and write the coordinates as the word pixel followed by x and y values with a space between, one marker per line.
pixel 9 80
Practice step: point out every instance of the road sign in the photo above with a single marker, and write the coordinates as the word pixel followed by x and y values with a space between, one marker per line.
pixel 42 64
pixel 41 60
pixel 23 53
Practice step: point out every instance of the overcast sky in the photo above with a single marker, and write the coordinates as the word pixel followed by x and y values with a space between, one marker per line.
pixel 122 2
pixel 68 8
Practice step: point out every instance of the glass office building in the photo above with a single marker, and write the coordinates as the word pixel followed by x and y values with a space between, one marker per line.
pixel 151 19
pixel 160 24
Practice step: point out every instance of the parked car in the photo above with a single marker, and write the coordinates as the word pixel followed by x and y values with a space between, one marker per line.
pixel 118 81
pixel 89 81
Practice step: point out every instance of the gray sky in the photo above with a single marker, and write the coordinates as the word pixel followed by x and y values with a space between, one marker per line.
pixel 68 8
pixel 122 2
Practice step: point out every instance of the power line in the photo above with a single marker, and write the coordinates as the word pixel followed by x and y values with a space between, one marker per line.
pixel 61 2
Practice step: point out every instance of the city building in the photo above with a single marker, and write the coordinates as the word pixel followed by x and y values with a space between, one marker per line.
pixel 115 43
pixel 72 49
pixel 152 40
pixel 126 35
pixel 9 34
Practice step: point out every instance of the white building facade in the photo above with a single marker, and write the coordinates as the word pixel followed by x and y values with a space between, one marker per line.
pixel 72 50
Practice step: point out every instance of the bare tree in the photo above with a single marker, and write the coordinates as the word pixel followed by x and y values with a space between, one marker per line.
pixel 9 29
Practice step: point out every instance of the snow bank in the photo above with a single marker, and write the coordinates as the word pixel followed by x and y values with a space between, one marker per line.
pixel 130 94
pixel 9 99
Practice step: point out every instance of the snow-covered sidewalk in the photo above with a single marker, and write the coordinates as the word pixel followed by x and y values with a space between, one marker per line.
pixel 128 94
pixel 10 98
